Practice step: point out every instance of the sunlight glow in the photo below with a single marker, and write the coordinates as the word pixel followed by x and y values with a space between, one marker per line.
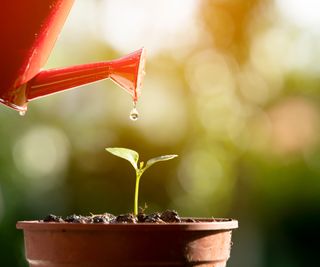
pixel 303 13
pixel 153 24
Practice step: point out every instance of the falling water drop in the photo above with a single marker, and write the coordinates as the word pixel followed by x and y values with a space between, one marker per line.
pixel 22 112
pixel 134 114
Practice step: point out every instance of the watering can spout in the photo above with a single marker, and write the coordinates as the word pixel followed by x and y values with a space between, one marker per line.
pixel 127 72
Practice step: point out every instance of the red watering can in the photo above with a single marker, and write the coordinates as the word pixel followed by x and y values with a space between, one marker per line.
pixel 29 29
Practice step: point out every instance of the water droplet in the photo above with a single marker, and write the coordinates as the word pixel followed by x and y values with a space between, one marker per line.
pixel 22 112
pixel 134 114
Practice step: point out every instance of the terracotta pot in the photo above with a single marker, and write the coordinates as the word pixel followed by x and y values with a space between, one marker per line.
pixel 207 243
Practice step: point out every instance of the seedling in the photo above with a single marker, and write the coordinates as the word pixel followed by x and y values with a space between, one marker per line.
pixel 133 157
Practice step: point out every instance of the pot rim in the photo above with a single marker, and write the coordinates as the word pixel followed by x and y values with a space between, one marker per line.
pixel 202 224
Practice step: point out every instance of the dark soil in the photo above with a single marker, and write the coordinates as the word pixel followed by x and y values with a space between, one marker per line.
pixel 168 216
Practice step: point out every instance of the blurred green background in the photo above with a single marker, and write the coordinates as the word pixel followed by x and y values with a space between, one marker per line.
pixel 232 86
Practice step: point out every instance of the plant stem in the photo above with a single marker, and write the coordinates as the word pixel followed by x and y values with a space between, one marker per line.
pixel 136 194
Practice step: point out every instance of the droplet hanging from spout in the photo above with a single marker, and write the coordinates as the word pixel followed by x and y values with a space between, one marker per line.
pixel 134 114
pixel 22 112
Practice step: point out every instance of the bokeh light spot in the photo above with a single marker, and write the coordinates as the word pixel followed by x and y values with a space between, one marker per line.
pixel 42 153
pixel 200 173
pixel 295 125
pixel 160 118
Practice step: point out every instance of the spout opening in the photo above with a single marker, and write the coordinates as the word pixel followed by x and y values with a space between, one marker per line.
pixel 128 72
pixel 140 76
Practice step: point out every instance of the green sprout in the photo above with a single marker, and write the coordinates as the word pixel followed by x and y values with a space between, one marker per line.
pixel 133 157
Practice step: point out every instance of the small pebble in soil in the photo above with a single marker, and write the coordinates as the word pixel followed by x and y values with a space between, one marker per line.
pixel 126 218
pixel 77 219
pixel 153 218
pixel 141 217
pixel 52 218
pixel 103 218
pixel 100 219
pixel 170 216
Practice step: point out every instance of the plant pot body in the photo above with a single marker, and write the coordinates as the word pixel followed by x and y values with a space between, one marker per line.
pixel 100 245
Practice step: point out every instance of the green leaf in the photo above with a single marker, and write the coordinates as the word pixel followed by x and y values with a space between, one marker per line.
pixel 158 159
pixel 125 153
